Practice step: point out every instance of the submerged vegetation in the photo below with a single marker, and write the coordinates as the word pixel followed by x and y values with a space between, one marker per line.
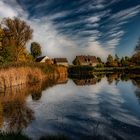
pixel 13 136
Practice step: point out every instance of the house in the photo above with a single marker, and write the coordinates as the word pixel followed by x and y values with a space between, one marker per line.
pixel 85 60
pixel 44 59
pixel 61 61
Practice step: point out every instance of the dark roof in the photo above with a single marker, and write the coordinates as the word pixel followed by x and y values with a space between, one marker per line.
pixel 60 60
pixel 40 58
pixel 84 58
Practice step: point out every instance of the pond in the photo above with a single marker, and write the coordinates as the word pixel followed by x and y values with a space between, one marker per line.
pixel 101 107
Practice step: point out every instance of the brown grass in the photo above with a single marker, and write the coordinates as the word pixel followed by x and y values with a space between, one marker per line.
pixel 18 76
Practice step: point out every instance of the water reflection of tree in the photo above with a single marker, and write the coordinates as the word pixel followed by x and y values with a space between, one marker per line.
pixel 82 82
pixel 13 108
pixel 36 89
pixel 113 77
pixel 136 82
pixel 16 113
pixel 13 136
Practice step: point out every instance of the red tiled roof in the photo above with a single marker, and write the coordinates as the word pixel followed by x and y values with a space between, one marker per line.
pixel 85 59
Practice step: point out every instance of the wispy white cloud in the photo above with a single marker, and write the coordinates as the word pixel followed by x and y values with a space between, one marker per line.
pixel 94 19
pixel 6 10
pixel 126 14
pixel 114 26
pixel 53 43
pixel 81 35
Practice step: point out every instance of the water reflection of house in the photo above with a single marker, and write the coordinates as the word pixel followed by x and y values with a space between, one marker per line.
pixel 82 82
pixel 44 59
pixel 85 60
pixel 61 61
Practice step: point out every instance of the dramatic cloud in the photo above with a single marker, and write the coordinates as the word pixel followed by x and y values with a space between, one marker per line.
pixel 126 14
pixel 96 103
pixel 74 28
pixel 6 10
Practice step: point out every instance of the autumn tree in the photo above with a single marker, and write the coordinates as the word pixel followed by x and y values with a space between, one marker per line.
pixel 137 48
pixel 109 60
pixel 100 63
pixel 117 58
pixel 99 59
pixel 125 61
pixel 35 49
pixel 20 33
pixel 1 36
pixel 135 59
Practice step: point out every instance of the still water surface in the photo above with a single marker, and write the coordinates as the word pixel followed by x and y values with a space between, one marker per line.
pixel 79 109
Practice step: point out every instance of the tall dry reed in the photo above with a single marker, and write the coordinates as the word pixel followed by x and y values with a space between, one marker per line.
pixel 18 76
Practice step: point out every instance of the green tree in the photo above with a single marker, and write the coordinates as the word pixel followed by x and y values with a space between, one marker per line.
pixel 109 60
pixel 122 61
pixel 7 53
pixel 99 59
pixel 20 33
pixel 125 61
pixel 135 59
pixel 35 49
pixel 117 58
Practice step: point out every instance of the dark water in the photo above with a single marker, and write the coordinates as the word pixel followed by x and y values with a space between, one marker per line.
pixel 106 108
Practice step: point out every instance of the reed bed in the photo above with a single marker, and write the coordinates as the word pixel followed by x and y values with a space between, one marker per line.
pixel 22 73
pixel 18 76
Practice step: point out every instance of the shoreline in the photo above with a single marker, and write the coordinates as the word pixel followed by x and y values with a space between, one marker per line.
pixel 28 74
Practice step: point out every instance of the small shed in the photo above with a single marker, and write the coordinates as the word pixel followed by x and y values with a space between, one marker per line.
pixel 44 59
pixel 61 61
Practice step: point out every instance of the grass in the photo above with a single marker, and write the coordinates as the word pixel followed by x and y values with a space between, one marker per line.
pixel 20 73
pixel 45 68
pixel 91 70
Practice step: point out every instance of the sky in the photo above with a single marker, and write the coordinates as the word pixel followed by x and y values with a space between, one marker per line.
pixel 66 28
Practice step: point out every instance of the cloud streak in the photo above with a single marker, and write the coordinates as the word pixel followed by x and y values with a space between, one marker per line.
pixel 72 29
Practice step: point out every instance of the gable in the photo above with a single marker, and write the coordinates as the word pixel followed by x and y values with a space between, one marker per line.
pixel 42 59
pixel 87 59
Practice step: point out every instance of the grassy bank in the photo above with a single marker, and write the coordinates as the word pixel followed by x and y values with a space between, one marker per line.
pixel 22 73
pixel 92 70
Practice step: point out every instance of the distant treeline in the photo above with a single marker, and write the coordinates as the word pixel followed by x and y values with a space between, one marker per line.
pixel 89 70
